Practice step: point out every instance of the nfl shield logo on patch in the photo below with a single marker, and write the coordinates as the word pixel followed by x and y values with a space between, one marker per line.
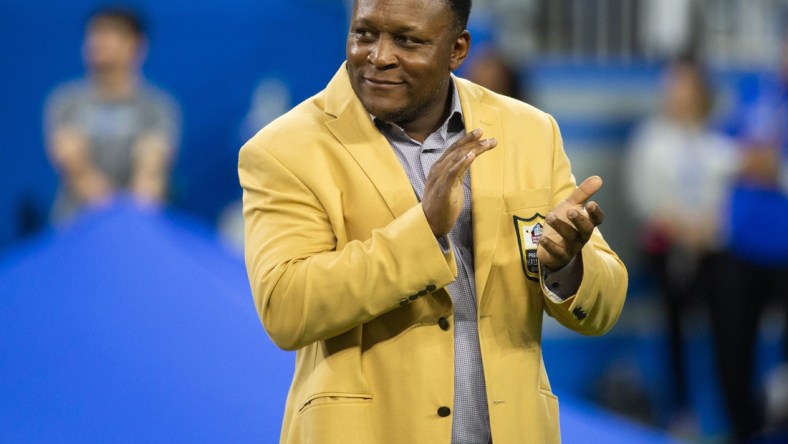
pixel 528 233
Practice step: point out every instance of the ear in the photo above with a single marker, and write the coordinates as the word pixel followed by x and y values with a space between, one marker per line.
pixel 460 50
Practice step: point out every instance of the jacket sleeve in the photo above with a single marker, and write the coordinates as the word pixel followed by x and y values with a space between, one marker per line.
pixel 308 288
pixel 596 306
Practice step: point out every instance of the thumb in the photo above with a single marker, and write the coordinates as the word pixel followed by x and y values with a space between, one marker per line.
pixel 586 189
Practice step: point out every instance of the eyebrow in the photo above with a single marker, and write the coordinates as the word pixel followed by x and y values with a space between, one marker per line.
pixel 404 29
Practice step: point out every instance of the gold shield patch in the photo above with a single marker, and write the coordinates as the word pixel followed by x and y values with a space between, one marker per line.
pixel 528 233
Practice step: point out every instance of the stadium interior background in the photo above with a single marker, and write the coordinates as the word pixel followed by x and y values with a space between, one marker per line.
pixel 594 64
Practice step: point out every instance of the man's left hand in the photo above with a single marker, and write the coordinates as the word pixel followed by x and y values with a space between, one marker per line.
pixel 569 226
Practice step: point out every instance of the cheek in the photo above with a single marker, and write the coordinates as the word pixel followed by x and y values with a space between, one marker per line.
pixel 355 54
pixel 431 77
pixel 129 50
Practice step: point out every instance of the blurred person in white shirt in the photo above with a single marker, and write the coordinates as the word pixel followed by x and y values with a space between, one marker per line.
pixel 678 170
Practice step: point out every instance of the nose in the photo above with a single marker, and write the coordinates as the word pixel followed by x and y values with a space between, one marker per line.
pixel 383 54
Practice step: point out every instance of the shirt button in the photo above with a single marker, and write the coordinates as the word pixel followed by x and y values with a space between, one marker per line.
pixel 579 313
pixel 413 297
pixel 431 287
pixel 444 411
pixel 443 323
pixel 403 301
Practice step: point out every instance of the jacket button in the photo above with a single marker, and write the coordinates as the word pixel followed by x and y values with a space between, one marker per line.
pixel 444 411
pixel 423 292
pixel 431 287
pixel 403 301
pixel 413 297
pixel 579 313
pixel 443 323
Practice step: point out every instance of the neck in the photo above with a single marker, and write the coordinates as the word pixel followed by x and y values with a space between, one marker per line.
pixel 115 83
pixel 432 118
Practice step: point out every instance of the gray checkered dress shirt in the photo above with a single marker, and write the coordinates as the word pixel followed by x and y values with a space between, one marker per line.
pixel 470 418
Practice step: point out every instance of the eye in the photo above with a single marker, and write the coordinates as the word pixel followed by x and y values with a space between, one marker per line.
pixel 364 35
pixel 407 41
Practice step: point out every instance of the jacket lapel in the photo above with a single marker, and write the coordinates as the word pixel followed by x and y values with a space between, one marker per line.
pixel 486 184
pixel 354 129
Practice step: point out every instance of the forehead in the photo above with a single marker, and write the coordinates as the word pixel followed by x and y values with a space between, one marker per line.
pixel 684 72
pixel 423 15
pixel 112 24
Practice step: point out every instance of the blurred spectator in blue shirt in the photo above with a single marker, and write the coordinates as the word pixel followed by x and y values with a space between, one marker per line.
pixel 110 131
pixel 755 271
pixel 677 173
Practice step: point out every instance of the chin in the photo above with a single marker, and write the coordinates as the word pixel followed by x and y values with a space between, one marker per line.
pixel 386 113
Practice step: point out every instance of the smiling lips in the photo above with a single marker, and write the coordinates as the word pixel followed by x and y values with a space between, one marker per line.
pixel 382 83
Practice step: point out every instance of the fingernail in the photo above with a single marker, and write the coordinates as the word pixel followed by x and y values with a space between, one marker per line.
pixel 477 132
pixel 572 214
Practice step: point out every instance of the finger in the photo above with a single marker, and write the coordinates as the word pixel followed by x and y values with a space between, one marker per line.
pixel 457 171
pixel 482 146
pixel 582 224
pixel 460 148
pixel 456 149
pixel 486 145
pixel 564 229
pixel 595 213
pixel 586 189
pixel 552 254
pixel 477 146
pixel 442 168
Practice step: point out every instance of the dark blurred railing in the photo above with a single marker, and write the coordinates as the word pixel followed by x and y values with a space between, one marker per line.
pixel 726 32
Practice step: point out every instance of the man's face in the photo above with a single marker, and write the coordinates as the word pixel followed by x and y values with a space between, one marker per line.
pixel 684 94
pixel 110 45
pixel 400 54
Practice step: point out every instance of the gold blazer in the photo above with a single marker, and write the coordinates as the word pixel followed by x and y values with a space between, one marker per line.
pixel 345 269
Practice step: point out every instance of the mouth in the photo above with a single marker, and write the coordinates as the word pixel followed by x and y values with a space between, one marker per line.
pixel 382 83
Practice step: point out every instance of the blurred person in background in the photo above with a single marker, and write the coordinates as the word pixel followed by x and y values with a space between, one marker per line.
pixel 677 173
pixel 755 270
pixel 110 131
pixel 270 99
pixel 490 69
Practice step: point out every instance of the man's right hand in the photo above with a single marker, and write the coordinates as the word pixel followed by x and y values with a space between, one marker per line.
pixel 443 193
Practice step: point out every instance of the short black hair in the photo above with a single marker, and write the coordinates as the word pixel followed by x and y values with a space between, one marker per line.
pixel 461 10
pixel 126 16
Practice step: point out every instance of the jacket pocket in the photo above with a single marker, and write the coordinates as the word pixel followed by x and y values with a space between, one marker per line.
pixel 336 417
pixel 525 199
pixel 551 421
pixel 333 398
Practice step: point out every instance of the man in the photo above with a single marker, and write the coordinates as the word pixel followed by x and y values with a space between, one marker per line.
pixel 754 270
pixel 110 132
pixel 395 247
